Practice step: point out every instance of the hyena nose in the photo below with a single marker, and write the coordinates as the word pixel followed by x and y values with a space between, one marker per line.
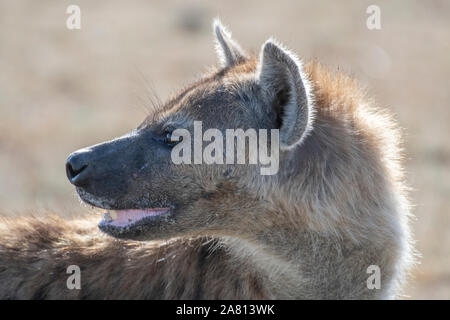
pixel 76 168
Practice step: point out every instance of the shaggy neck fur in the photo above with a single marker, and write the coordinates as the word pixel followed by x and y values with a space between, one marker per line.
pixel 343 208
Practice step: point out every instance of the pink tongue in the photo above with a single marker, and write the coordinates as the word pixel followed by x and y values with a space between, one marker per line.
pixel 127 217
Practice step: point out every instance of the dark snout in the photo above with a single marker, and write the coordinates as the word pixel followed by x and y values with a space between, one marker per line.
pixel 115 173
pixel 79 167
pixel 101 168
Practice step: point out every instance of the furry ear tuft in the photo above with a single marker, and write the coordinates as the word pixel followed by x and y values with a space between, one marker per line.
pixel 281 76
pixel 229 52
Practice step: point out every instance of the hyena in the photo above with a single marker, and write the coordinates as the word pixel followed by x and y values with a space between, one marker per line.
pixel 336 207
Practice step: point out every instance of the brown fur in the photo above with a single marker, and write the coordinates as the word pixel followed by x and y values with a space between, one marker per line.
pixel 337 206
pixel 35 254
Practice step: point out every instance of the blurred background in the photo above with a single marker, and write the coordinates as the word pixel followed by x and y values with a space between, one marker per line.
pixel 63 89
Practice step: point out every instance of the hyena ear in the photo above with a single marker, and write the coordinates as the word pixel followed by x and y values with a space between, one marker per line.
pixel 229 52
pixel 281 77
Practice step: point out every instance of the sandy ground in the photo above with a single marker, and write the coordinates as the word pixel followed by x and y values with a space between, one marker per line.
pixel 62 89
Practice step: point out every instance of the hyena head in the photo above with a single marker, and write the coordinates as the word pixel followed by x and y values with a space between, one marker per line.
pixel 149 196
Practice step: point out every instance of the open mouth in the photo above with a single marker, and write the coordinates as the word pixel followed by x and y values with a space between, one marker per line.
pixel 132 217
pixel 128 223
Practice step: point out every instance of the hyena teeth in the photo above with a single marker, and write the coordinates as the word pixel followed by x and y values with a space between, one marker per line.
pixel 113 215
pixel 107 217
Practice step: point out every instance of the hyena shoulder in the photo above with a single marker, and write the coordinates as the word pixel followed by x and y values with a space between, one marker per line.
pixel 36 252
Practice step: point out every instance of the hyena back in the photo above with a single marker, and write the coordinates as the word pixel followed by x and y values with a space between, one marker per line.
pixel 336 206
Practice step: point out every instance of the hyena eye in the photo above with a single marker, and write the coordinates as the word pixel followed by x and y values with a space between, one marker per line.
pixel 169 140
